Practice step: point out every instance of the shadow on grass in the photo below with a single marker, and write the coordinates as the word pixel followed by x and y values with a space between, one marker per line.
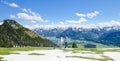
pixel 100 59
pixel 1 58
pixel 36 54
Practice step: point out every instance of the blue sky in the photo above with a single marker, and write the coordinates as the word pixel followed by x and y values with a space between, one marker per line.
pixel 35 13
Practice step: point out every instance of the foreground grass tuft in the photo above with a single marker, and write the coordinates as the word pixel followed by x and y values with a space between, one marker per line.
pixel 36 54
pixel 1 59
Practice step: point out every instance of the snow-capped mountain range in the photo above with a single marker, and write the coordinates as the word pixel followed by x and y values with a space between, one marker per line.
pixel 53 31
pixel 96 34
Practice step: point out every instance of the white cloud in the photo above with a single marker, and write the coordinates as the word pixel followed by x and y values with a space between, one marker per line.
pixel 81 20
pixel 24 10
pixel 28 26
pixel 32 26
pixel 89 15
pixel 109 24
pixel 12 16
pixel 30 17
pixel 92 14
pixel 80 14
pixel 65 26
pixel 83 17
pixel 33 21
pixel 13 5
pixel 27 14
pixel 48 26
pixel 62 23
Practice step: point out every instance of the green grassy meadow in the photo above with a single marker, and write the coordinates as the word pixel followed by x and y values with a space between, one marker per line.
pixel 5 51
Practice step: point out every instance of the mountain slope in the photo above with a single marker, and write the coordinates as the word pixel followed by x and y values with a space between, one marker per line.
pixel 112 38
pixel 13 34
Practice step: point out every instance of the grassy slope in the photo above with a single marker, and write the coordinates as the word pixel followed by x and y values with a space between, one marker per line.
pixel 4 51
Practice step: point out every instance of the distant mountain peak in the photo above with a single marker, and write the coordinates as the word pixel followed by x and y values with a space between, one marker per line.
pixel 9 21
pixel 12 23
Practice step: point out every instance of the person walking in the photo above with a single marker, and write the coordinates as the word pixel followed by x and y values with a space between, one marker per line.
pixel 61 41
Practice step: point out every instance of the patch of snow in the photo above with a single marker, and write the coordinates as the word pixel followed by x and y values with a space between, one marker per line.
pixel 114 55
pixel 87 55
pixel 50 55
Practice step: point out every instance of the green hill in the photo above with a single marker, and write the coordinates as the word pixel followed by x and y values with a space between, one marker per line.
pixel 12 34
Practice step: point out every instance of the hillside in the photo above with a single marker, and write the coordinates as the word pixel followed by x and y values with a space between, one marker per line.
pixel 12 34
pixel 112 38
